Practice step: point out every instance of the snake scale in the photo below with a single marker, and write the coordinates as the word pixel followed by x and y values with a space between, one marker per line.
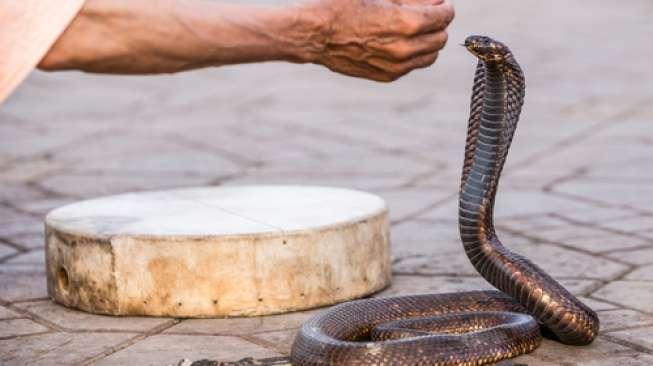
pixel 466 328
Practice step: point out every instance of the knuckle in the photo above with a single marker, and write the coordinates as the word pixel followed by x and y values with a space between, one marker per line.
pixel 383 66
pixel 392 69
pixel 405 68
pixel 450 13
pixel 411 24
pixel 430 59
pixel 444 37
pixel 402 51
pixel 392 77
pixel 384 78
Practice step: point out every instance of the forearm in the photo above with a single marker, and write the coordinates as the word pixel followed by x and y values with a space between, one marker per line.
pixel 144 36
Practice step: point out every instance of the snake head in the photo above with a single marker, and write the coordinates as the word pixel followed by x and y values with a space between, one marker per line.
pixel 487 49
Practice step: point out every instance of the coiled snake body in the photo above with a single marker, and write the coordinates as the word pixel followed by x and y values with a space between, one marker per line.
pixel 467 328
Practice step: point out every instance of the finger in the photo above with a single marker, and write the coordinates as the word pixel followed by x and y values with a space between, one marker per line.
pixel 346 66
pixel 407 48
pixel 419 19
pixel 397 70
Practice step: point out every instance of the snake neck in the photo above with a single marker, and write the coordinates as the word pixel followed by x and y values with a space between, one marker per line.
pixel 479 186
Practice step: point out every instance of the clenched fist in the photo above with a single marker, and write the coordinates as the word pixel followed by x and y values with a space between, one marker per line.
pixel 378 39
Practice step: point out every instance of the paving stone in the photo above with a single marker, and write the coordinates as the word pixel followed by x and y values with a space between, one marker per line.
pixel 623 318
pixel 610 157
pixel 633 224
pixel 8 314
pixel 637 257
pixel 31 262
pixel 166 159
pixel 328 142
pixel 164 349
pixel 512 204
pixel 12 129
pixel 36 144
pixel 641 336
pixel 33 257
pixel 30 170
pixel 421 238
pixel 6 250
pixel 644 273
pixel 19 285
pixel 92 185
pixel 616 193
pixel 521 203
pixel 634 294
pixel 241 326
pixel 578 287
pixel 370 163
pixel 19 327
pixel 605 242
pixel 74 320
pixel 597 305
pixel 64 94
pixel 599 353
pixel 41 206
pixel 532 224
pixel 281 341
pixel 559 262
pixel 368 182
pixel 452 262
pixel 587 238
pixel 10 215
pixel 594 216
pixel 566 263
pixel 409 285
pixel 389 136
pixel 13 222
pixel 259 151
pixel 408 202
pixel 34 240
pixel 58 348
pixel 21 226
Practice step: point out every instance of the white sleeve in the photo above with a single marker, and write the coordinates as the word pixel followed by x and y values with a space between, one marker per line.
pixel 28 28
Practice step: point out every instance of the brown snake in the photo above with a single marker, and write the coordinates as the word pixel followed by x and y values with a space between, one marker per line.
pixel 467 328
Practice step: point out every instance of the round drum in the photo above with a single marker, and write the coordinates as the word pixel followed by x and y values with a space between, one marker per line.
pixel 218 251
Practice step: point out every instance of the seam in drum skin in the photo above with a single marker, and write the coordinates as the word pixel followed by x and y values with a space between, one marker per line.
pixel 466 328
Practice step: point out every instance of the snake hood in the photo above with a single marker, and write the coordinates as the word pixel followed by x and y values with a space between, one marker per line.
pixel 487 49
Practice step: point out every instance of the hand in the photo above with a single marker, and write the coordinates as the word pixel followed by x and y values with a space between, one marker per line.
pixel 380 40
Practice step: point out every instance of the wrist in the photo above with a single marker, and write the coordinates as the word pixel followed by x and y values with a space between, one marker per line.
pixel 306 31
pixel 294 33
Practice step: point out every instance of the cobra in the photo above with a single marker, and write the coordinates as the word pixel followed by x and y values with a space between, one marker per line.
pixel 467 328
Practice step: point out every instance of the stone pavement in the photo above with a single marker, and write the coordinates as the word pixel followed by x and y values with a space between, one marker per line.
pixel 576 197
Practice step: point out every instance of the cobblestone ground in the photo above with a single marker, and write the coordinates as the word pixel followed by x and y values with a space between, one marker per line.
pixel 576 197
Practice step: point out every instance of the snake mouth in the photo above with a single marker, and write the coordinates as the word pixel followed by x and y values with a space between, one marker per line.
pixel 471 49
pixel 473 52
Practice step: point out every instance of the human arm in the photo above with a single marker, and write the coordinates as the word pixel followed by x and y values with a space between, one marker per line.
pixel 375 39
